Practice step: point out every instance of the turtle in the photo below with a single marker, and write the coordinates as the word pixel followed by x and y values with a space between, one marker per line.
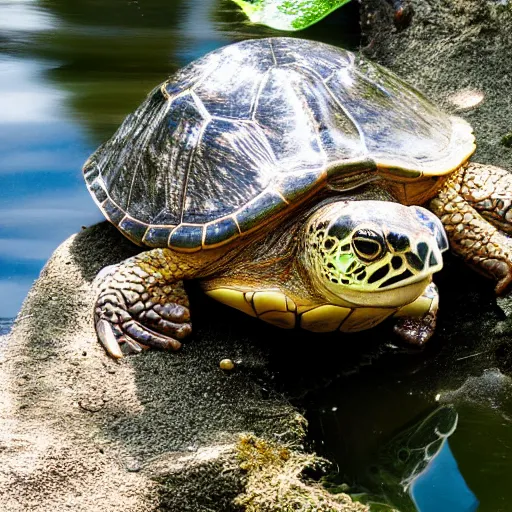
pixel 299 183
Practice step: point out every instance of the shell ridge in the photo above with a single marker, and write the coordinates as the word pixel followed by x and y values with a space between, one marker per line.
pixel 254 106
pixel 350 117
pixel 304 69
pixel 249 148
pixel 343 108
pixel 316 127
pixel 274 57
pixel 208 118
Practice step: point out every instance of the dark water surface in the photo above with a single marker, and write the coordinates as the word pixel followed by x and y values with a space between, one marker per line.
pixel 69 74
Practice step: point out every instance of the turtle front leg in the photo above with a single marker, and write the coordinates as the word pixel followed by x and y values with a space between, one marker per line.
pixel 488 189
pixel 416 322
pixel 474 205
pixel 142 303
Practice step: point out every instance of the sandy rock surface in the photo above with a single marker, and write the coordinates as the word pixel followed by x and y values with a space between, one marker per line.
pixel 83 432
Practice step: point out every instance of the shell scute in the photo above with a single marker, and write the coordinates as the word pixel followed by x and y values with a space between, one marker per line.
pixel 233 163
pixel 186 237
pixel 264 206
pixel 157 236
pixel 112 211
pixel 220 231
pixel 232 88
pixel 288 122
pixel 321 62
pixel 293 186
pixel 133 229
pixel 398 127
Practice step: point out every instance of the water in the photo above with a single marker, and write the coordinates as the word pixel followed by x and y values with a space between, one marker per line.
pixel 5 325
pixel 69 74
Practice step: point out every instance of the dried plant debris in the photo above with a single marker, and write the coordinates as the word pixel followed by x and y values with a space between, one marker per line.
pixel 275 480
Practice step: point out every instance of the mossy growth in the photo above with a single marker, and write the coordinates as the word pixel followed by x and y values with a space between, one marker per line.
pixel 276 482
pixel 506 140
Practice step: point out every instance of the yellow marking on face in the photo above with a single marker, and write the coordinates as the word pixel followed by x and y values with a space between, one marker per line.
pixel 365 318
pixel 233 298
pixel 269 301
pixel 324 318
pixel 279 319
pixel 343 262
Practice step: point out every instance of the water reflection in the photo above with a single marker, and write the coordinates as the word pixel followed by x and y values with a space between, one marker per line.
pixel 24 16
pixel 364 421
pixel 417 472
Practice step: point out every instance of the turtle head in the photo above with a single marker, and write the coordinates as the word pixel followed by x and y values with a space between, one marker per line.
pixel 372 253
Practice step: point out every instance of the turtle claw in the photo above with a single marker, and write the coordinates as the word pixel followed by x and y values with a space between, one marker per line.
pixel 503 286
pixel 113 336
pixel 501 272
pixel 137 331
pixel 108 339
pixel 134 311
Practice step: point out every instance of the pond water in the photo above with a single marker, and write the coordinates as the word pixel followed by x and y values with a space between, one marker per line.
pixel 69 74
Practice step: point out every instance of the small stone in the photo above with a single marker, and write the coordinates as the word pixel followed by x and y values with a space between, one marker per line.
pixel 227 364
pixel 133 466
pixel 466 99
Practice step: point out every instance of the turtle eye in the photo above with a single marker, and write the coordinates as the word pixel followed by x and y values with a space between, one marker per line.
pixel 368 244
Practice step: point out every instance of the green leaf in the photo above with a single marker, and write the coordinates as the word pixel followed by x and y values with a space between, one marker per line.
pixel 288 14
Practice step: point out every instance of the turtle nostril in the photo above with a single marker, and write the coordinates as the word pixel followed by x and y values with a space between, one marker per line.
pixel 368 244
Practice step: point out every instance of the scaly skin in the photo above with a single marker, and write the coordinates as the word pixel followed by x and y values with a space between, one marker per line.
pixel 142 302
pixel 489 190
pixel 467 196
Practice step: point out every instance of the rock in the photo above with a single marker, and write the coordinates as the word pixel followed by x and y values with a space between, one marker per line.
pixel 453 50
pixel 157 431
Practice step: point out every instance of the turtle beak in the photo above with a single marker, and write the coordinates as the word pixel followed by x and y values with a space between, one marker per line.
pixel 434 225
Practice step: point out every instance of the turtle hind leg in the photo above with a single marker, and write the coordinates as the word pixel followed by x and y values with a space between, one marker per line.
pixel 142 304
pixel 462 203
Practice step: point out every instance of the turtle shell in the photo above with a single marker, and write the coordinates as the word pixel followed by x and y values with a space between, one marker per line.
pixel 253 129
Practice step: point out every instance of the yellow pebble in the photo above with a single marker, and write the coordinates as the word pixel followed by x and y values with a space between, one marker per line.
pixel 226 364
